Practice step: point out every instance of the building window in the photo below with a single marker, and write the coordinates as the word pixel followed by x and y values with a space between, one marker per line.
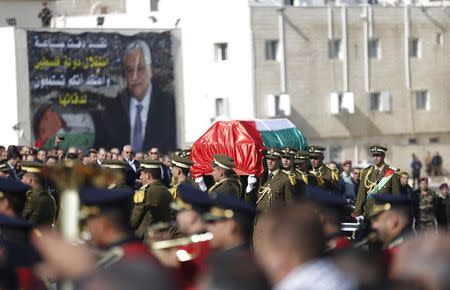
pixel 221 51
pixel 374 48
pixel 154 5
pixel 412 141
pixel 422 100
pixel 380 101
pixel 342 103
pixel 334 49
pixel 414 47
pixel 221 107
pixel 336 154
pixel 434 140
pixel 439 39
pixel 272 50
pixel 279 105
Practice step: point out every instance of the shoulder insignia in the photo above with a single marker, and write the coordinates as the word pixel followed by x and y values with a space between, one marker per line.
pixel 173 191
pixel 139 196
pixel 292 178
pixel 112 186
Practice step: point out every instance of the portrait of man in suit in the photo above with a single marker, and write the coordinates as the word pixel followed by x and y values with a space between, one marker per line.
pixel 141 115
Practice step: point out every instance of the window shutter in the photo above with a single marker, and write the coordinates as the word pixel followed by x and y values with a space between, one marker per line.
pixel 271 110
pixel 385 105
pixel 285 104
pixel 348 102
pixel 334 102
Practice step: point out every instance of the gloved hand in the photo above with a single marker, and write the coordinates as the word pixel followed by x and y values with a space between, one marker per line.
pixel 251 182
pixel 201 183
pixel 359 218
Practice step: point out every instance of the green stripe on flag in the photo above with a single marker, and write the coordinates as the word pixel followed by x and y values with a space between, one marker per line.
pixel 291 137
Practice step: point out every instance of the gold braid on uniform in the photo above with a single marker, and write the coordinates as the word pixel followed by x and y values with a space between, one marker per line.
pixel 334 174
pixel 292 179
pixel 173 190
pixel 370 185
pixel 318 175
pixel 263 191
pixel 217 184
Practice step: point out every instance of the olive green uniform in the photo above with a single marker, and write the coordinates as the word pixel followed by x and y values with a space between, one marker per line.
pixel 40 208
pixel 227 186
pixel 306 177
pixel 151 205
pixel 370 178
pixel 174 189
pixel 275 192
pixel 327 178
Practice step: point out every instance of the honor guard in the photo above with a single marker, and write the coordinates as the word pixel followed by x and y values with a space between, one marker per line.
pixel 180 172
pixel 118 173
pixel 287 159
pixel 375 179
pixel 391 218
pixel 275 189
pixel 152 200
pixel 327 177
pixel 40 206
pixel 106 213
pixel 230 220
pixel 226 180
pixel 190 204
pixel 302 171
pixel 18 254
pixel 332 210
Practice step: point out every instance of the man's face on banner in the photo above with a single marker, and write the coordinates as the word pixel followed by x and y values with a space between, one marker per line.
pixel 138 73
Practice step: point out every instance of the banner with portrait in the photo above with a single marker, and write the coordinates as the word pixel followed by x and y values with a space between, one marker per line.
pixel 98 89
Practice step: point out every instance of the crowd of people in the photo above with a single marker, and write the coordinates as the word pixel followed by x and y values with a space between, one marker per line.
pixel 146 223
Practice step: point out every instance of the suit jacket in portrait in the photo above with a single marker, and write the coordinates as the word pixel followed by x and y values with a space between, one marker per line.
pixel 113 128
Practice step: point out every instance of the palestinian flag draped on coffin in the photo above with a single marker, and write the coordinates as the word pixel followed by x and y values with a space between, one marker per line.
pixel 245 142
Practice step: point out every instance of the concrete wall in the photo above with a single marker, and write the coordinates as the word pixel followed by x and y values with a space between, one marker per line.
pixel 25 11
pixel 204 79
pixel 312 76
pixel 8 83
pixel 86 7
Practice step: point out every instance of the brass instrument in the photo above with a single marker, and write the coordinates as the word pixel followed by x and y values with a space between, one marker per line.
pixel 161 237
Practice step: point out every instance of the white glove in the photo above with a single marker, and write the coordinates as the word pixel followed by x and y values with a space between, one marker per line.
pixel 201 183
pixel 359 218
pixel 251 181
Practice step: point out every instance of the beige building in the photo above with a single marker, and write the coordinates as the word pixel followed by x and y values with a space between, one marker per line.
pixel 356 76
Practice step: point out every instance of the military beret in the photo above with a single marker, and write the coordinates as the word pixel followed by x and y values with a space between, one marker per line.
pixel 181 161
pixel 272 153
pixel 31 166
pixel 114 164
pixel 301 156
pixel 19 251
pixel 316 150
pixel 10 186
pixel 150 164
pixel 95 200
pixel 223 161
pixel 229 207
pixel 443 185
pixel 190 197
pixel 377 149
pixel 385 202
pixel 288 152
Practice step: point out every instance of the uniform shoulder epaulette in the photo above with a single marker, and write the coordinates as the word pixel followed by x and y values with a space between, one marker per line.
pixel 332 169
pixel 334 173
pixel 139 195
